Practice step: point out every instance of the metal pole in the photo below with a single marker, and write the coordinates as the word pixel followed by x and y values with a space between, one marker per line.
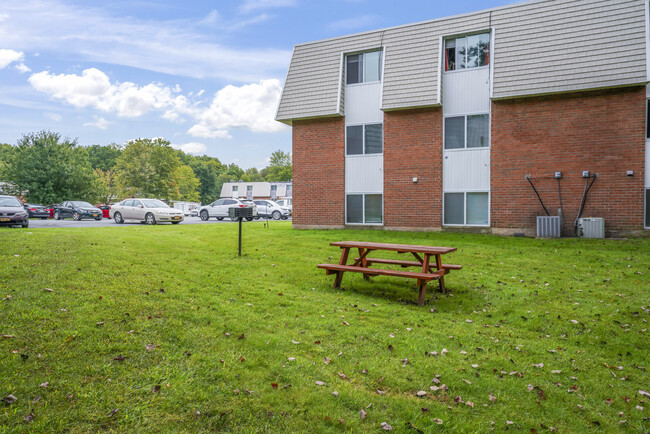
pixel 240 219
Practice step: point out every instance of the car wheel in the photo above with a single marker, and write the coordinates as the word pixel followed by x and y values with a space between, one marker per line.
pixel 276 215
pixel 26 224
pixel 98 218
pixel 219 218
pixel 57 215
pixel 118 218
pixel 150 219
pixel 43 218
pixel 175 223
pixel 249 219
pixel 204 215
pixel 76 216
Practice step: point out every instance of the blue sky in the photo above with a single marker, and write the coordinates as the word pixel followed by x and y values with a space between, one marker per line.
pixel 206 75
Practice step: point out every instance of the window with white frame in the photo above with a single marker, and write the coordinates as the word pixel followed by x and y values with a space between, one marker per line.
pixel 467 131
pixel 467 52
pixel 364 139
pixel 466 209
pixel 363 67
pixel 364 208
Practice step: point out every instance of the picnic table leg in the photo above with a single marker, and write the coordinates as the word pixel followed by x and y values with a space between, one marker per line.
pixel 364 262
pixel 442 278
pixel 423 285
pixel 343 261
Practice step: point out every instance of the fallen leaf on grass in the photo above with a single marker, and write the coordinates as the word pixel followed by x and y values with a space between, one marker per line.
pixel 638 407
pixel 458 399
pixel 609 401
pixel 405 361
pixel 467 381
pixel 320 383
pixel 381 392
pixel 346 323
pixel 538 365
pixel 363 414
pixel 335 393
pixel 386 427
pixel 274 386
pixel 291 359
pixel 101 323
pixel 242 337
pixel 470 403
pixel 44 385
pixel 49 289
pixel 327 360
pixel 115 410
pixel 421 393
pixel 438 421
pixel 30 417
pixel 119 358
pixel 294 342
pixel 250 392
pixel 342 375
pixel 9 399
pixel 424 410
pixel 643 392
pixel 242 359
pixel 8 336
pixel 556 372
pixel 443 352
pixel 492 398
pixel 155 388
pixel 150 347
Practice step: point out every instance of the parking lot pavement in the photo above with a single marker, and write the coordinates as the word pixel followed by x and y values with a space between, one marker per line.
pixel 69 223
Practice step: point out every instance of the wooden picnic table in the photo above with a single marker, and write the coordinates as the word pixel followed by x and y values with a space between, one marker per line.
pixel 427 258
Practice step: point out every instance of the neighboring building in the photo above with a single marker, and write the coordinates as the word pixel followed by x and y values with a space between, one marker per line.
pixel 436 125
pixel 257 190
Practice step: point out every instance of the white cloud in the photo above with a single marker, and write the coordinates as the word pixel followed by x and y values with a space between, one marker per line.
pixel 100 123
pixel 7 57
pixel 192 148
pixel 178 47
pixel 54 116
pixel 250 5
pixel 22 68
pixel 250 106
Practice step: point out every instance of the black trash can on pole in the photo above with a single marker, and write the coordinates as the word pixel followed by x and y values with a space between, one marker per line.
pixel 240 213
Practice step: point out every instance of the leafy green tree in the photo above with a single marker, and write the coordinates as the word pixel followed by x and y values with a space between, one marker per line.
pixel 207 169
pixel 279 168
pixel 107 189
pixel 252 175
pixel 147 167
pixel 104 157
pixel 186 184
pixel 6 151
pixel 48 169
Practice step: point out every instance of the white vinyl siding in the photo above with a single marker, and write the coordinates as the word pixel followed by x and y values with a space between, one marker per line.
pixel 541 47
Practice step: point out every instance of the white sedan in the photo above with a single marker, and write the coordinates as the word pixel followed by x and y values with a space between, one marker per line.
pixel 149 211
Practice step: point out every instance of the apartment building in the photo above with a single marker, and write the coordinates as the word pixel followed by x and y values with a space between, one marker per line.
pixel 476 122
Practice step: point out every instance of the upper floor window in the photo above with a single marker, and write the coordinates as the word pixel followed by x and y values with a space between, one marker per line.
pixel 364 139
pixel 467 52
pixel 467 131
pixel 363 67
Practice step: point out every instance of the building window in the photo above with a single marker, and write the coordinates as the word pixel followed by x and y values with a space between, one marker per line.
pixel 466 209
pixel 364 209
pixel 363 67
pixel 469 131
pixel 249 192
pixel 647 208
pixel 235 191
pixel 289 191
pixel 274 192
pixel 467 52
pixel 364 139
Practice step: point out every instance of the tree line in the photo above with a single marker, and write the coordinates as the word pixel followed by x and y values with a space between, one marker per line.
pixel 45 168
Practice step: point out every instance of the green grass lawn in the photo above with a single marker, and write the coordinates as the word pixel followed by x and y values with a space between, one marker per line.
pixel 164 328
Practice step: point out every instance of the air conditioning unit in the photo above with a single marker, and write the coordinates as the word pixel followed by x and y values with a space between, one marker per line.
pixel 592 227
pixel 549 226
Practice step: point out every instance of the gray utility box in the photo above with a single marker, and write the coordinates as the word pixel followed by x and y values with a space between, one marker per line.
pixel 549 226
pixel 240 212
pixel 592 227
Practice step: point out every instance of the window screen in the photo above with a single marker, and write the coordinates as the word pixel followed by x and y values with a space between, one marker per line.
pixel 372 66
pixel 478 128
pixel 454 208
pixel 354 208
pixel 455 132
pixel 374 139
pixel 373 208
pixel 354 140
pixel 477 209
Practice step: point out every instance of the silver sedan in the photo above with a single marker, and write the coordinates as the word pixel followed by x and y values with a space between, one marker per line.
pixel 149 211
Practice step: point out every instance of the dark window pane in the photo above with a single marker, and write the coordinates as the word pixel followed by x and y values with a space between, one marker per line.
pixel 454 209
pixel 354 68
pixel 478 131
pixel 455 132
pixel 374 139
pixel 477 208
pixel 450 55
pixel 354 208
pixel 354 140
pixel 647 208
pixel 373 208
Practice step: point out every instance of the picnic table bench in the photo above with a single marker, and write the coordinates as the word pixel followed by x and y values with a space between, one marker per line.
pixel 429 269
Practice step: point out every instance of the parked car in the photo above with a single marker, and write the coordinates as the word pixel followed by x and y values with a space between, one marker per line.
pixel 219 208
pixel 35 210
pixel 105 210
pixel 286 203
pixel 12 212
pixel 270 209
pixel 50 209
pixel 77 210
pixel 149 211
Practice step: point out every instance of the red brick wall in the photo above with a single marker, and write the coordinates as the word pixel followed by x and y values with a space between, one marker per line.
pixel 319 172
pixel 413 148
pixel 603 132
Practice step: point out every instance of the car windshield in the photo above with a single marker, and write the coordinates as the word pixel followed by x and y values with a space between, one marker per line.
pixel 10 202
pixel 154 203
pixel 82 204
